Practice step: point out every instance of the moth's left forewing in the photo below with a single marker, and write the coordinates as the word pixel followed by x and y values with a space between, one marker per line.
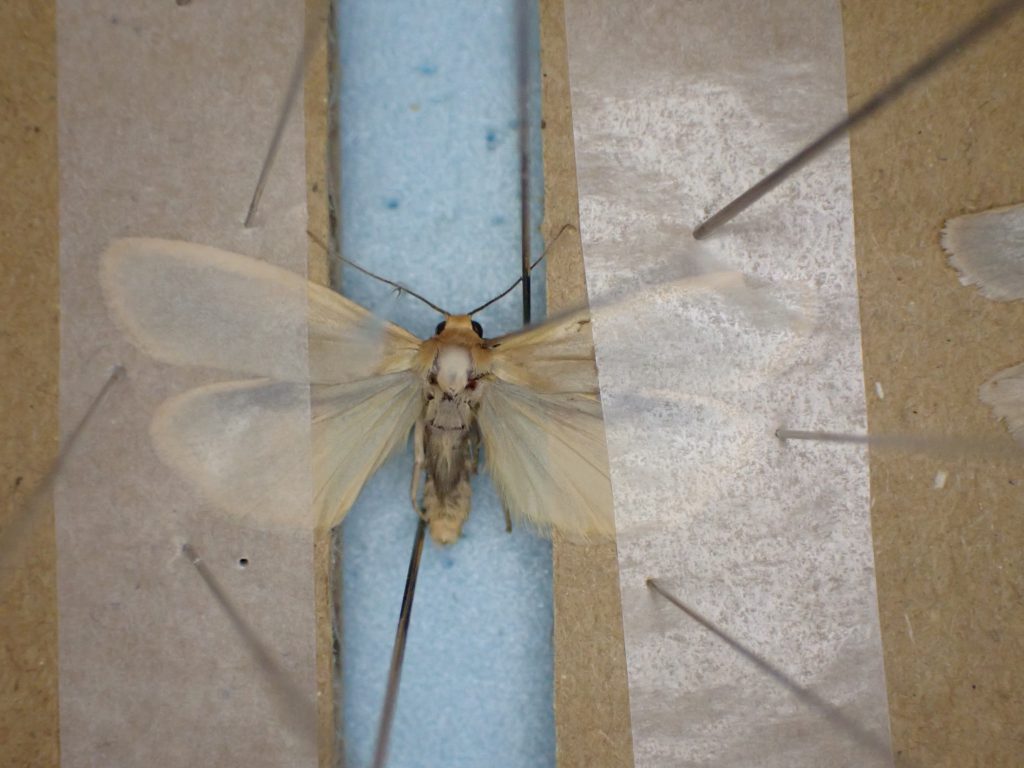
pixel 541 423
pixel 557 356
pixel 194 305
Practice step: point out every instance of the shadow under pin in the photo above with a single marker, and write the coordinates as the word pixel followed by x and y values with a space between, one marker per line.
pixel 857 732
pixel 310 42
pixel 25 515
pixel 955 45
pixel 295 707
pixel 944 446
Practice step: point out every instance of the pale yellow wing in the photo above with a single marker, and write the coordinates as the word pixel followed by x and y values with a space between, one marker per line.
pixel 540 421
pixel 190 304
pixel 987 249
pixel 356 428
pixel 292 449
pixel 557 356
pixel 540 416
pixel 546 454
pixel 279 454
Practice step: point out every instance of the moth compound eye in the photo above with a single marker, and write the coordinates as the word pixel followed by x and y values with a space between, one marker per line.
pixel 440 328
pixel 478 329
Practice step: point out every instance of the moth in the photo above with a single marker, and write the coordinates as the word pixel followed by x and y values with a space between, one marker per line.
pixel 323 369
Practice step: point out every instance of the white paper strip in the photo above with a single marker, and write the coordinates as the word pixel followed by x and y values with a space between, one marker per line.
pixel 166 110
pixel 677 107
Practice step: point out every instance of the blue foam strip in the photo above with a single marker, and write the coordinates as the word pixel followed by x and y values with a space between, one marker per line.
pixel 430 197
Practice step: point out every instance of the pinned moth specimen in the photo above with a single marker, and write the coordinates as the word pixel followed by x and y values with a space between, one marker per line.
pixel 326 371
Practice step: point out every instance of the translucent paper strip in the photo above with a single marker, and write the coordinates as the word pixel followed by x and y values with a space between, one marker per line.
pixel 677 108
pixel 165 113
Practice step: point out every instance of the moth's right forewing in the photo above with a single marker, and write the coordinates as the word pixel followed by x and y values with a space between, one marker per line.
pixel 293 449
pixel 348 343
pixel 195 305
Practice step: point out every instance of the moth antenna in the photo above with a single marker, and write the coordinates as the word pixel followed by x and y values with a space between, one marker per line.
pixel 512 287
pixel 399 288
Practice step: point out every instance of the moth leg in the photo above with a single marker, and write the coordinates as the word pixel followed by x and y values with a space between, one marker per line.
pixel 508 519
pixel 420 513
pixel 473 447
pixel 419 459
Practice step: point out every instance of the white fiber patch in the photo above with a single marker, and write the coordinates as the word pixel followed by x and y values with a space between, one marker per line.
pixel 1004 394
pixel 987 249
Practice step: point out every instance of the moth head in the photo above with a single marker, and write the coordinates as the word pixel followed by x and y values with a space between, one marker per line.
pixel 458 325
pixel 460 357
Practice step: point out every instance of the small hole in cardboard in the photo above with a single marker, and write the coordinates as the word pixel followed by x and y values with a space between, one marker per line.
pixel 243 563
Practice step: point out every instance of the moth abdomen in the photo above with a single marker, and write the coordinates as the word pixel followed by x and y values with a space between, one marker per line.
pixel 447 493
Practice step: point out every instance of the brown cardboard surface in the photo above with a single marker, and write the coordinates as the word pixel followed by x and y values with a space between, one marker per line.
pixel 28 385
pixel 591 698
pixel 315 106
pixel 949 562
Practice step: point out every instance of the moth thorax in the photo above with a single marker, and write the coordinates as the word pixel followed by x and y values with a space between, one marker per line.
pixel 453 368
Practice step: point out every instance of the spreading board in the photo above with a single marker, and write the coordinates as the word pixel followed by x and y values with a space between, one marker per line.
pixel 949 575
